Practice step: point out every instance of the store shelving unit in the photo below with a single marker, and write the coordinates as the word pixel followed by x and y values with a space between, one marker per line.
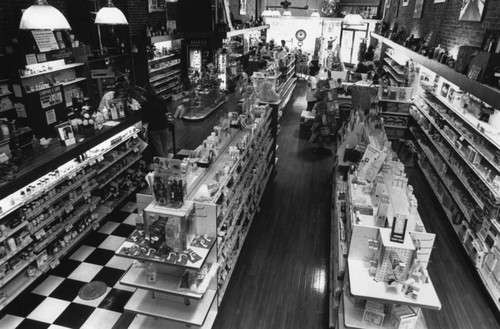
pixel 359 241
pixel 459 158
pixel 221 219
pixel 50 215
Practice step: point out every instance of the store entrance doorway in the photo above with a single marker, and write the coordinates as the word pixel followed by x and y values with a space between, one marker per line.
pixel 350 39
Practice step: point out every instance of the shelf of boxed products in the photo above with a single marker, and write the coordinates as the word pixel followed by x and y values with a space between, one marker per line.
pixel 38 232
pixel 494 189
pixel 400 60
pixel 165 65
pixel 46 183
pixel 163 57
pixel 136 277
pixel 163 76
pixel 467 134
pixel 488 281
pixel 12 288
pixel 227 163
pixel 152 304
pixel 443 150
pixel 237 243
pixel 458 195
pixel 53 69
pixel 35 226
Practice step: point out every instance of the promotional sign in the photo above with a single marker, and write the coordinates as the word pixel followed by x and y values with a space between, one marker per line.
pixel 50 97
pixel 195 58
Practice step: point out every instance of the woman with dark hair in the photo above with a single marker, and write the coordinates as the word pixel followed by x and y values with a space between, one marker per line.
pixel 154 120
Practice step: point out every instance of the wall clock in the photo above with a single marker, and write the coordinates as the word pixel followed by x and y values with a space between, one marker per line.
pixel 300 35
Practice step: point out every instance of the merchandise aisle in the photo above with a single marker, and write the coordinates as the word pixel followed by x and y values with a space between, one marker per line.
pixel 280 281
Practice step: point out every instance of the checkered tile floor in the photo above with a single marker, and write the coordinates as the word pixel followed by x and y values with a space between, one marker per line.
pixel 54 302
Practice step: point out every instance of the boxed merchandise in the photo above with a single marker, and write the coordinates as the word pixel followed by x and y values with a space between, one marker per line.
pixel 404 317
pixel 374 313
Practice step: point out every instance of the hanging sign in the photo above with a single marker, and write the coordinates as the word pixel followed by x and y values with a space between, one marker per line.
pixel 45 40
pixel 50 97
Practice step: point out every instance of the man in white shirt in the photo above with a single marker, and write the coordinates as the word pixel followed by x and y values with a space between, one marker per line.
pixel 312 82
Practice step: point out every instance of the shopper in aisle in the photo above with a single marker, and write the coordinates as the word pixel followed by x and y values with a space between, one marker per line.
pixel 154 119
pixel 324 126
pixel 312 81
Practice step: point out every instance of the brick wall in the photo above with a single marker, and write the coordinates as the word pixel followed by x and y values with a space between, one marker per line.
pixel 442 20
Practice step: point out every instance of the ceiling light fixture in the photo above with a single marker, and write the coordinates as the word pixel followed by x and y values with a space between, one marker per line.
pixel 287 13
pixel 110 15
pixel 42 16
pixel 267 12
pixel 353 19
pixel 315 14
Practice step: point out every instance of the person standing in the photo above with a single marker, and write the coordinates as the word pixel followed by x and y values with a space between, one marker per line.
pixel 312 82
pixel 154 120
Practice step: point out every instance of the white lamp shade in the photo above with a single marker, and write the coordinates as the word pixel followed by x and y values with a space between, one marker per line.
pixel 315 14
pixel 353 19
pixel 110 16
pixel 267 13
pixel 287 13
pixel 276 13
pixel 42 16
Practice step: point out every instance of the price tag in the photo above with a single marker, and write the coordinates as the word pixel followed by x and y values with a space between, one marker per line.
pixel 54 264
pixel 68 228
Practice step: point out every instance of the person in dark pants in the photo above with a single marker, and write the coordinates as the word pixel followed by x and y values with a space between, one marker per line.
pixel 154 119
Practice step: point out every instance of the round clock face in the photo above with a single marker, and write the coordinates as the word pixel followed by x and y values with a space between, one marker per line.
pixel 300 35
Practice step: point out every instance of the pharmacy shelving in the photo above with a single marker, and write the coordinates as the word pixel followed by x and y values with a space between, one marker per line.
pixel 63 201
pixel 221 217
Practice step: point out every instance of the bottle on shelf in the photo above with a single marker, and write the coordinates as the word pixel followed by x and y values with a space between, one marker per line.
pixel 151 276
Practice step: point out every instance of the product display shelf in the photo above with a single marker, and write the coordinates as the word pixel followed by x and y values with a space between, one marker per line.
pixel 163 68
pixel 159 58
pixel 399 60
pixel 54 69
pixel 82 210
pixel 455 170
pixel 351 315
pixel 125 167
pixel 202 252
pixel 486 155
pixel 147 322
pixel 60 211
pixel 9 232
pixel 136 277
pixel 204 112
pixel 165 81
pixel 19 201
pixel 57 83
pixel 396 68
pixel 447 183
pixel 163 76
pixel 395 76
pixel 14 283
pixel 194 314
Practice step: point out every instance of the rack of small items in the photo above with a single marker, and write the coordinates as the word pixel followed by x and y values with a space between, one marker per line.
pixel 387 248
pixel 187 240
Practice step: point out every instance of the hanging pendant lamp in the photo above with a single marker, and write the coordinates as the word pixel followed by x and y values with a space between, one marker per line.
pixel 353 19
pixel 315 14
pixel 267 12
pixel 287 13
pixel 110 15
pixel 42 16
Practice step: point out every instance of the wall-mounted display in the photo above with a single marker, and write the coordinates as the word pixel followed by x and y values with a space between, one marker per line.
pixel 472 10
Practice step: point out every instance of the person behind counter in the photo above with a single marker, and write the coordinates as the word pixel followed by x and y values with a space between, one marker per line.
pixel 283 46
pixel 154 120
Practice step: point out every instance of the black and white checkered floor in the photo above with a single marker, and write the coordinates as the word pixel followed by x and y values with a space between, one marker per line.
pixel 54 302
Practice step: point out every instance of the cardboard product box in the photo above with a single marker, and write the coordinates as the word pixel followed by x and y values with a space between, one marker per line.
pixel 404 317
pixel 374 313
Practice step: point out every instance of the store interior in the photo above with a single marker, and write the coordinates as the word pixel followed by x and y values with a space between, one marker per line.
pixel 249 164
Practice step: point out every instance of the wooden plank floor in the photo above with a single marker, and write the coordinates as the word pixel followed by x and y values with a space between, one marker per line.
pixel 280 280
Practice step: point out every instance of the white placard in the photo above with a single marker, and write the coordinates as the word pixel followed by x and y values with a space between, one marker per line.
pixel 45 40
pixel 31 59
pixel 51 116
